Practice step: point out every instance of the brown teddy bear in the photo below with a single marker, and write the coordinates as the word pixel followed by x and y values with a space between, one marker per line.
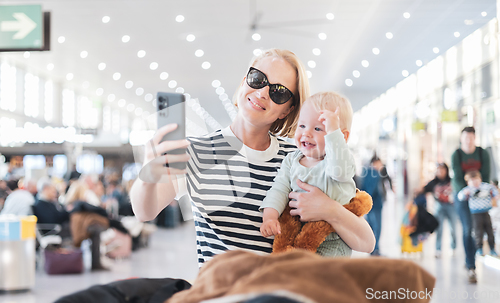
pixel 312 234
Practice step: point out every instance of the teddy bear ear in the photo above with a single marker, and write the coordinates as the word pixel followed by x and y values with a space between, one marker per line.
pixel 357 190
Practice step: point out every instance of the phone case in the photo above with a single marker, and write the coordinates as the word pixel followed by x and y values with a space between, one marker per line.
pixel 171 109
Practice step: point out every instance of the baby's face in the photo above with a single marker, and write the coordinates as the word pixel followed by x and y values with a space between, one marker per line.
pixel 474 182
pixel 310 133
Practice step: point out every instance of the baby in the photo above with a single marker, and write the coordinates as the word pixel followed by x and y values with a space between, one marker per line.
pixel 323 159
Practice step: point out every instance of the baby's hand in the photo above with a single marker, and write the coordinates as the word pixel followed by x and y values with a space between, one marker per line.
pixel 270 227
pixel 331 120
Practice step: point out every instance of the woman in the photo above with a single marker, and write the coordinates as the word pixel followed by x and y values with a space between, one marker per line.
pixel 230 170
pixel 440 186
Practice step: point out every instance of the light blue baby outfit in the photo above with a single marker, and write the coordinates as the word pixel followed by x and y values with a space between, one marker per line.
pixel 334 176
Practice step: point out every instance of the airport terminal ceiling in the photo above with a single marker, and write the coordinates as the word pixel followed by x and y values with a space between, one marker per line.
pixel 332 38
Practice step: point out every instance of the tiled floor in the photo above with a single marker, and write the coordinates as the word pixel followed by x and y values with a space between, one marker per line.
pixel 172 253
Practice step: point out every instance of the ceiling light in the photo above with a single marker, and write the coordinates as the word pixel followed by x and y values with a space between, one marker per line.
pixel 138 111
pixel 205 65
pixel 86 84
pixel 164 76
pixel 179 18
pixel 141 53
pixel 256 37
pixel 121 102
pixel 365 63
pixel 153 66
pixel 216 83
pixel 188 96
pixel 356 73
pixel 330 16
pixel 223 97
pixel 61 39
pixel 69 76
pixel 220 90
pixel 389 35
pixel 376 51
pixel 179 90
pixel 50 66
pixel 130 107
pixel 468 22
pixel 26 55
pixel 484 14
pixel 316 51
pixel 148 97
pixel 129 84
pixel 99 91
pixel 154 103
pixel 172 83
pixel 117 76
pixel 348 82
pixel 199 53
pixel 125 38
pixel 257 52
pixel 84 54
pixel 111 97
pixel 139 91
pixel 405 73
pixel 322 36
pixel 101 66
pixel 456 34
pixel 105 19
pixel 309 74
pixel 406 15
pixel 418 62
pixel 311 64
pixel 190 38
pixel 435 50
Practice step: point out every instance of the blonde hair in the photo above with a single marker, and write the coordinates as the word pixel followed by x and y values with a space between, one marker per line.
pixel 76 192
pixel 286 127
pixel 472 175
pixel 330 101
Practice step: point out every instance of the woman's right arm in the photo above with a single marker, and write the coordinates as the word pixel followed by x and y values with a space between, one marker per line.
pixel 156 185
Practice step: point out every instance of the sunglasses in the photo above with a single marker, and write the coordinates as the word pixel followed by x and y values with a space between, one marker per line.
pixel 277 92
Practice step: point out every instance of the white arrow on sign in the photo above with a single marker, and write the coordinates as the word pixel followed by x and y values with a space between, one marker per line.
pixel 24 25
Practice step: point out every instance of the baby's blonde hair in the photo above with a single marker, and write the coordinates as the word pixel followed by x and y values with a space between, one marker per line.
pixel 330 101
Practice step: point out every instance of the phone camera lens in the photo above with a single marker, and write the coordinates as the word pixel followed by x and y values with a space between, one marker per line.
pixel 162 102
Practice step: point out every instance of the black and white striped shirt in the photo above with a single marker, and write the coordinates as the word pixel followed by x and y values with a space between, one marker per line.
pixel 227 182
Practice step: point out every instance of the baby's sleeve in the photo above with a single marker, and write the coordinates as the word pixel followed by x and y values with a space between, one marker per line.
pixel 277 195
pixel 340 165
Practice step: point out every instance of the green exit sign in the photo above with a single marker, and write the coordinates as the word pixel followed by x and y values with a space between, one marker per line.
pixel 22 27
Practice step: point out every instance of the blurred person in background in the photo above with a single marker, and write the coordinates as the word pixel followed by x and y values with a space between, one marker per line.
pixel 19 201
pixel 77 192
pixel 4 192
pixel 468 157
pixel 371 183
pixel 47 208
pixel 29 185
pixel 440 187
pixel 90 195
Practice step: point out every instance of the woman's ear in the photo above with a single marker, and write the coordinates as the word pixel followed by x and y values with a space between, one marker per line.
pixel 346 134
pixel 284 114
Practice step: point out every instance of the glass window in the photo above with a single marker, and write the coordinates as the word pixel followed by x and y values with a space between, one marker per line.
pixel 8 87
pixel 68 108
pixel 49 101
pixel 31 95
pixel 60 166
pixel 33 162
pixel 89 164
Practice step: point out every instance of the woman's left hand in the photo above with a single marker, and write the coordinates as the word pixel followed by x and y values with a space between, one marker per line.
pixel 313 205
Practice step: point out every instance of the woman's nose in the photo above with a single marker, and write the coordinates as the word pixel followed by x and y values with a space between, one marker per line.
pixel 263 92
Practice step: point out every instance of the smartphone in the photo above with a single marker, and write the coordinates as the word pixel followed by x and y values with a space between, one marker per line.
pixel 171 109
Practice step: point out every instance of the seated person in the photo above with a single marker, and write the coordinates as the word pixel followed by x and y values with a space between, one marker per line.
pixel 47 208
pixel 18 202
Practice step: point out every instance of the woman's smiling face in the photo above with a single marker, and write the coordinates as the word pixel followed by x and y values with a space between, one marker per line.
pixel 255 105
